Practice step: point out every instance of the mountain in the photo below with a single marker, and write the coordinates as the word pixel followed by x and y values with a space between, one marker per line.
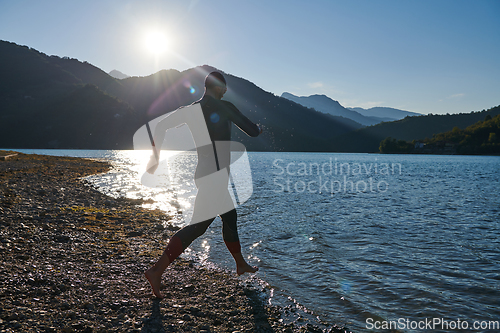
pixel 367 139
pixel 327 105
pixel 46 102
pixel 117 74
pixel 385 112
pixel 52 102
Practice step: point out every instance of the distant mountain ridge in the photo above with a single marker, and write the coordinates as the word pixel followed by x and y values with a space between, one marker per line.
pixel 364 117
pixel 118 75
pixel 329 106
pixel 385 112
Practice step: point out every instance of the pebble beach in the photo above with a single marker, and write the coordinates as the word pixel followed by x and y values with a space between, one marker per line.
pixel 73 261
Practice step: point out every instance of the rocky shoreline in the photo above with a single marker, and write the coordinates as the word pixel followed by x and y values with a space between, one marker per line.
pixel 73 261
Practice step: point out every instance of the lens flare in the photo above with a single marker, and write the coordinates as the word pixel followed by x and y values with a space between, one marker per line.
pixel 214 117
pixel 190 87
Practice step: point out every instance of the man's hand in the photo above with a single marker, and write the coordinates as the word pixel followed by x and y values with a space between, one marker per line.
pixel 152 165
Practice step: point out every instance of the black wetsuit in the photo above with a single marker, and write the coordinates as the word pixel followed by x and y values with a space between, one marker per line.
pixel 219 116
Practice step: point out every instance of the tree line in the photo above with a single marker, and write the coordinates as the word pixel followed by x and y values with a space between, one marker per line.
pixel 481 138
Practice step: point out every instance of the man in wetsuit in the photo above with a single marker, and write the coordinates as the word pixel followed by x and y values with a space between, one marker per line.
pixel 210 121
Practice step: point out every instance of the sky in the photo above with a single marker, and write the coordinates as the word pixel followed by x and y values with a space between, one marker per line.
pixel 438 56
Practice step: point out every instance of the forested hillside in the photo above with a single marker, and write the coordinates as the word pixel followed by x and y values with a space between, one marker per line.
pixel 368 139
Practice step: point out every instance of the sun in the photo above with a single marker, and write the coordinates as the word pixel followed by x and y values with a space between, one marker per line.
pixel 156 42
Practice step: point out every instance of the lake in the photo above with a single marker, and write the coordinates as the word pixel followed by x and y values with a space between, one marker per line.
pixel 356 239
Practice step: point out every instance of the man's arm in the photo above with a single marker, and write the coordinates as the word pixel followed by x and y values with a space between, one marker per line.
pixel 173 119
pixel 243 123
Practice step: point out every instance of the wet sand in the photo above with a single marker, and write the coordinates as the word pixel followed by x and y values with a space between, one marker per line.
pixel 73 261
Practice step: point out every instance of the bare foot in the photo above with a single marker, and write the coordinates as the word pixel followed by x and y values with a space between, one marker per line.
pixel 246 268
pixel 154 278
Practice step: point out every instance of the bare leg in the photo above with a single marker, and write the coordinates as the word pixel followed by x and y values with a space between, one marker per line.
pixel 175 247
pixel 154 274
pixel 241 265
pixel 230 233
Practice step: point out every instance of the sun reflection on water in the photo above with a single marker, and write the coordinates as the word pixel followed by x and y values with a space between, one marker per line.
pixel 170 189
pixel 204 255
